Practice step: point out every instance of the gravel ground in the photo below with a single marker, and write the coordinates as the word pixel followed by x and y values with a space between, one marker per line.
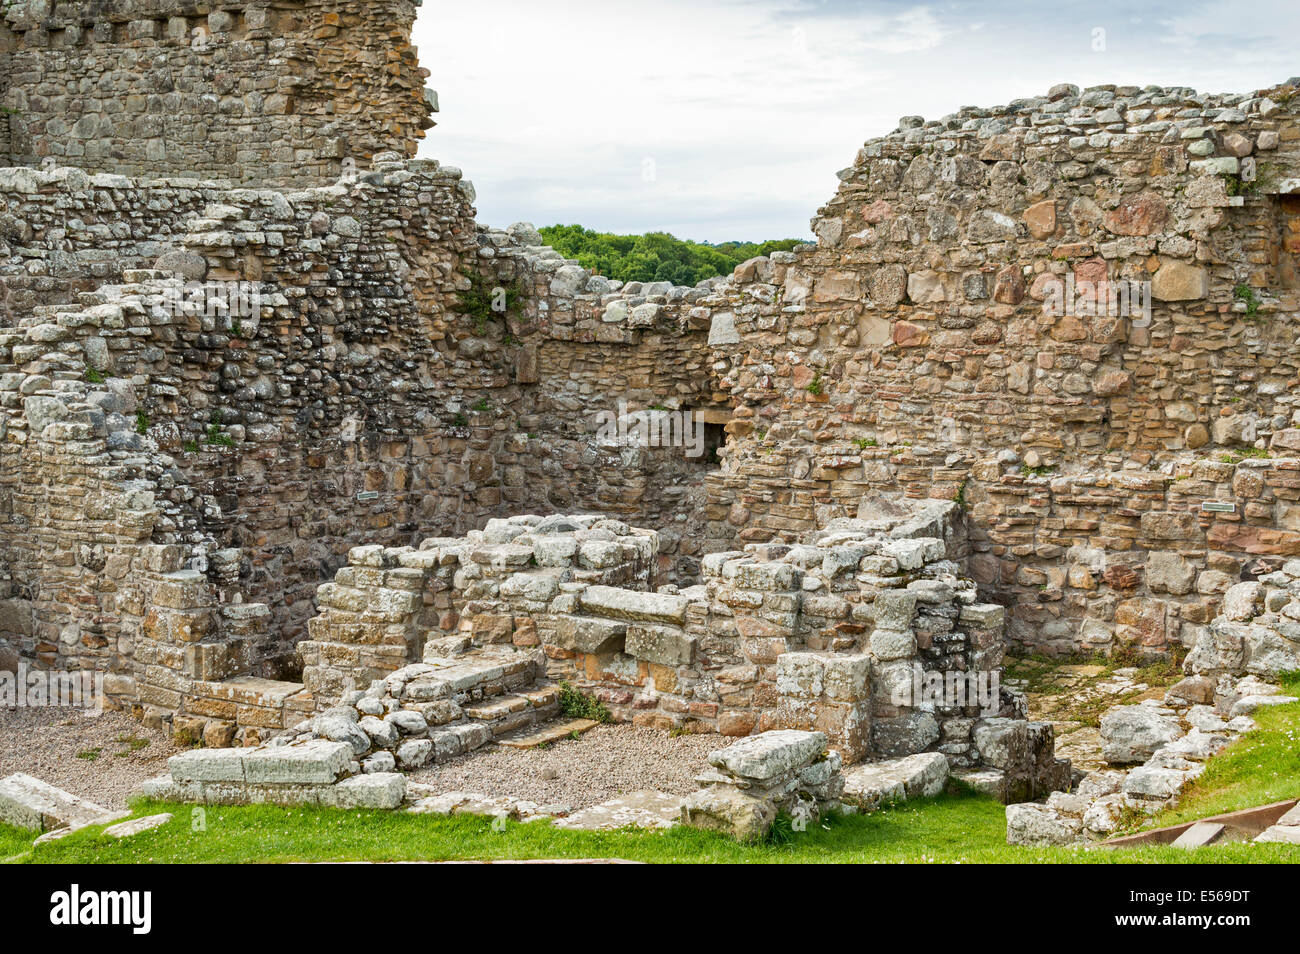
pixel 609 760
pixel 46 743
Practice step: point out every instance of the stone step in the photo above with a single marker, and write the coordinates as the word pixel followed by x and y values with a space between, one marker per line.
pixel 882 783
pixel 513 711
pixel 473 676
pixel 318 761
pixel 551 732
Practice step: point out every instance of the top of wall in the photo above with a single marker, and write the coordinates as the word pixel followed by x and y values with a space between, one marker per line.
pixel 263 94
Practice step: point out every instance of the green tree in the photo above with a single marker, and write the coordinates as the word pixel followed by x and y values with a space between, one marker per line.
pixel 654 256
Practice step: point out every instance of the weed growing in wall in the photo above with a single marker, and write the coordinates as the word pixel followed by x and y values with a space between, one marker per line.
pixel 578 705
pixel 483 303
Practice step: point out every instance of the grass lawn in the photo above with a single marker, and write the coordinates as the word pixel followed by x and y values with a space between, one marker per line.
pixel 1263 767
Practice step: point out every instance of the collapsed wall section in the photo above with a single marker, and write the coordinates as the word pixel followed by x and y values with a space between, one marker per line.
pixel 299 373
pixel 866 632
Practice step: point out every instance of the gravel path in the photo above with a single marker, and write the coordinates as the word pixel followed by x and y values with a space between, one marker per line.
pixel 46 743
pixel 607 761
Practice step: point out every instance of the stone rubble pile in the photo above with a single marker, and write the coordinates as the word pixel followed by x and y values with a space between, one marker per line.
pixel 1156 749
pixel 438 709
pixel 1257 630
pixel 754 779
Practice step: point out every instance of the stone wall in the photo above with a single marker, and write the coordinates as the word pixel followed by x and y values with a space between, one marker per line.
pixel 408 374
pixel 918 349
pixel 255 93
pixel 361 400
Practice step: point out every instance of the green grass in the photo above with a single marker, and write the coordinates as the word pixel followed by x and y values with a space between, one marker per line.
pixel 1263 767
pixel 14 842
pixel 952 828
pixel 959 826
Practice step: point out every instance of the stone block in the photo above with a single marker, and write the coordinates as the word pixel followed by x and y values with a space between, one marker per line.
pixel 618 603
pixel 770 754
pixel 318 761
pixel 744 817
pixel 27 802
pixel 665 645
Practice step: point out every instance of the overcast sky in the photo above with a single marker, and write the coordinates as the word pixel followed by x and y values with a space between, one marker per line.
pixel 727 119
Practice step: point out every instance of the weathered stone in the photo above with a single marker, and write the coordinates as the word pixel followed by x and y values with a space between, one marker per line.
pixel 1131 734
pixel 740 815
pixel 28 802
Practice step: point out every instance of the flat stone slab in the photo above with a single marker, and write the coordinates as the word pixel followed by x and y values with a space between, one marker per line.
pixel 27 802
pixel 381 790
pixel 552 732
pixel 914 776
pixel 617 603
pixel 59 833
pixel 137 825
pixel 467 803
pixel 643 809
pixel 1280 834
pixel 770 754
pixel 250 691
pixel 457 675
pixel 317 761
pixel 1201 834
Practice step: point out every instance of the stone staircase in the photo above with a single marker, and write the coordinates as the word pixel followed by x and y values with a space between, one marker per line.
pixel 461 697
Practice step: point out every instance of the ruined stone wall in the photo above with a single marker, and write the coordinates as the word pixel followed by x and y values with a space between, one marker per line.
pixel 831 635
pixel 917 349
pixel 64 231
pixel 592 345
pixel 359 403
pixel 256 93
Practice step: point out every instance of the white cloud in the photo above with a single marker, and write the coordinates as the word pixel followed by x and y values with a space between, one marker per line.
pixel 747 107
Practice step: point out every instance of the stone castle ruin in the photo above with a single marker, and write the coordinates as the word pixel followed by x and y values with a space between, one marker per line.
pixel 280 422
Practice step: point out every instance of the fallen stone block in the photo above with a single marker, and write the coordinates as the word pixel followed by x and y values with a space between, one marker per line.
pixel 881 783
pixel 723 808
pixel 137 825
pixel 1155 782
pixel 27 802
pixel 1032 824
pixel 770 754
pixel 1131 734
pixel 1280 834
